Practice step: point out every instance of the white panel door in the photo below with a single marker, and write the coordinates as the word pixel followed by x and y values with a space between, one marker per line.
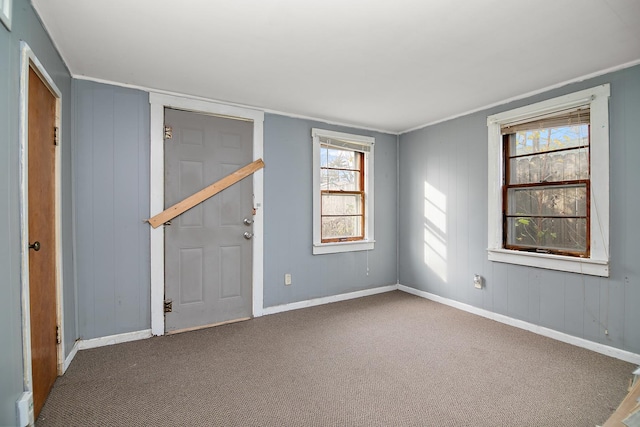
pixel 208 250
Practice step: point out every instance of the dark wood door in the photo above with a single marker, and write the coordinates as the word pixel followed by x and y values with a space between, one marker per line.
pixel 42 263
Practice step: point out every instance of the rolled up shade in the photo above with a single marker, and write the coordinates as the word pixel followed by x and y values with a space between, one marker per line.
pixel 572 117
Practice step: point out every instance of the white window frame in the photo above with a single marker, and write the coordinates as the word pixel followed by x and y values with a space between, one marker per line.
pixel 598 262
pixel 6 7
pixel 359 245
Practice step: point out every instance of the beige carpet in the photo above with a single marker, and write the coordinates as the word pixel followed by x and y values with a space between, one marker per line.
pixel 387 360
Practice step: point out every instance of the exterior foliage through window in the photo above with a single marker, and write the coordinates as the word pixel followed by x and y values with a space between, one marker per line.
pixel 343 194
pixel 546 187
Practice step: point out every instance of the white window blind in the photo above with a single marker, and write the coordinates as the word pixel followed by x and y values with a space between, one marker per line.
pixel 572 117
pixel 363 147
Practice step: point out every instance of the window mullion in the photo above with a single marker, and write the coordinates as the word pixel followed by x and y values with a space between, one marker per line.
pixel 568 183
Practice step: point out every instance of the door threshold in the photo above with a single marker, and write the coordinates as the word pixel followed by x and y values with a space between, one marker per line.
pixel 197 328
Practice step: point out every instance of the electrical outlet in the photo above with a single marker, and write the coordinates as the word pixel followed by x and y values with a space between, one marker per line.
pixel 477 281
pixel 287 279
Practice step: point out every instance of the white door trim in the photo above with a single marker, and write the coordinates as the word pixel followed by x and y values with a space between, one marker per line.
pixel 158 103
pixel 29 60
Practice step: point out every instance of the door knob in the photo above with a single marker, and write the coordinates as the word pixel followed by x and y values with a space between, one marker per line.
pixel 247 235
pixel 35 246
pixel 247 221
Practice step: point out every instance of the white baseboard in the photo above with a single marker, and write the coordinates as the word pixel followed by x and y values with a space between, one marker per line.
pixel 69 358
pixel 327 300
pixel 627 356
pixel 139 335
pixel 113 339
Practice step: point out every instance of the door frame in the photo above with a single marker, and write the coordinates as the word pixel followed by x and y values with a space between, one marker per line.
pixel 29 60
pixel 158 103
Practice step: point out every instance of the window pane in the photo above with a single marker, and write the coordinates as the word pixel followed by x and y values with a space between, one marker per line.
pixel 337 158
pixel 541 140
pixel 568 234
pixel 332 179
pixel 551 167
pixel 548 201
pixel 341 227
pixel 341 204
pixel 324 156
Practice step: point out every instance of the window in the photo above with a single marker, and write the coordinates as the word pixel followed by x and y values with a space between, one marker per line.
pixel 343 192
pixel 549 184
pixel 546 164
pixel 5 13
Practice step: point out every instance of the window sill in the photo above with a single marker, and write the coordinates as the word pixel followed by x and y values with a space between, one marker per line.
pixel 332 248
pixel 591 267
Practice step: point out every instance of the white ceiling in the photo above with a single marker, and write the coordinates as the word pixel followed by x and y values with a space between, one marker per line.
pixel 388 65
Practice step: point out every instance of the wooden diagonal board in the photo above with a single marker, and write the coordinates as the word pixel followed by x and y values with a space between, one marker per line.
pixel 202 195
pixel 628 407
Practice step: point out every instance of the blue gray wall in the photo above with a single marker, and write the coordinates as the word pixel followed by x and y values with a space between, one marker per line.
pixel 288 215
pixel 27 27
pixel 111 177
pixel 452 158
pixel 111 156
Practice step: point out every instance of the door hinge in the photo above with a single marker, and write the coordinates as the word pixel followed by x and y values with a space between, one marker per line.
pixel 168 306
pixel 58 339
pixel 56 135
pixel 168 132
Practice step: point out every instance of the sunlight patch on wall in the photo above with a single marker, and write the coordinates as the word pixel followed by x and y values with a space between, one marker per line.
pixel 435 230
